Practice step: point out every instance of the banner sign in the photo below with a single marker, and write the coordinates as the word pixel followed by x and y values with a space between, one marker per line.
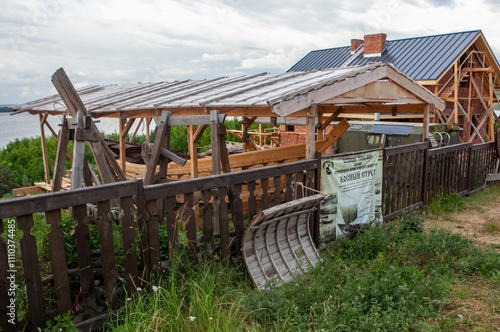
pixel 353 188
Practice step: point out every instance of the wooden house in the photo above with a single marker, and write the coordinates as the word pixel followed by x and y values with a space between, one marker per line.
pixel 460 68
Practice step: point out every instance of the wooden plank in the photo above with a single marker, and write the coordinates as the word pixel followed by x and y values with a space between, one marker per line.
pixel 216 154
pixel 194 120
pixel 79 158
pixel 208 227
pixel 164 152
pixel 141 225
pixel 264 184
pixel 237 214
pixel 25 191
pixel 58 262
pixel 8 319
pixel 122 135
pixel 129 228
pixel 160 136
pixel 333 135
pixel 190 227
pixel 172 228
pixel 65 199
pixel 288 188
pixel 85 267
pixel 277 191
pixel 31 270
pixel 153 235
pixel 43 119
pixel 107 253
pixel 252 200
pixel 223 222
pixel 311 120
pixel 331 118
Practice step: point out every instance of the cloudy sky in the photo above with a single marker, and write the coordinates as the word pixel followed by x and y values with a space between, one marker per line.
pixel 118 41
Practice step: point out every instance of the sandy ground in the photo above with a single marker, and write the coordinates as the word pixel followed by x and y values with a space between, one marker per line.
pixel 480 223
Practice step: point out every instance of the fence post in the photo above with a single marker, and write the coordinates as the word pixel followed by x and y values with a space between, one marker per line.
pixel 425 175
pixel 469 166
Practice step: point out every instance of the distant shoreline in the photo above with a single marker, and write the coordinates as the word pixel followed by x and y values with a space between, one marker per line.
pixel 5 110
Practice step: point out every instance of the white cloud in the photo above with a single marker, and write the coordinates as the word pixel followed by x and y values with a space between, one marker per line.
pixel 119 41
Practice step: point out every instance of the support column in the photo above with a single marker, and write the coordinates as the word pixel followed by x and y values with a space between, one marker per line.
pixel 491 119
pixel 43 118
pixel 311 120
pixel 455 108
pixel 425 127
pixel 122 135
pixel 214 129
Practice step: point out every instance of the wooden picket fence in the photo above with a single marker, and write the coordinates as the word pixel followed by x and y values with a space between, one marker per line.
pixel 413 175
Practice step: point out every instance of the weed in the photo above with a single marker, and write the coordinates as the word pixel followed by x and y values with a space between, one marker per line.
pixel 491 227
pixel 63 322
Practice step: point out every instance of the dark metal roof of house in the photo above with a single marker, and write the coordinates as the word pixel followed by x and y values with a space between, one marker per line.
pixel 421 58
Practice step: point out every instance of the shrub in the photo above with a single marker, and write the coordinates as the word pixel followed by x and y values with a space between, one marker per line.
pixel 6 178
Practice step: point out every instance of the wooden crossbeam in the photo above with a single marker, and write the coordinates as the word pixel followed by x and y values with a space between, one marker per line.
pixel 333 135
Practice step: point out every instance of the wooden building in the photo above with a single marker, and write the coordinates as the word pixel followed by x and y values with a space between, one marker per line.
pixel 318 97
pixel 460 68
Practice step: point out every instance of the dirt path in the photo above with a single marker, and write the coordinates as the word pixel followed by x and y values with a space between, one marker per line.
pixel 480 222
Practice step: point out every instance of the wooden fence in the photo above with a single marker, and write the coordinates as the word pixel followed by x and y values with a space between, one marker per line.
pixel 222 201
pixel 412 176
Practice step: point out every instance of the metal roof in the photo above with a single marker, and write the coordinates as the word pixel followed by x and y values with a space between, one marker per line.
pixel 421 58
pixel 282 94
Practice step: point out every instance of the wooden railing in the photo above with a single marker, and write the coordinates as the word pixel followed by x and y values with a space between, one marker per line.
pixel 225 202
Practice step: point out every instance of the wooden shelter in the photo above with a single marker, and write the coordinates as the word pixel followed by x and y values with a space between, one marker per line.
pixel 318 96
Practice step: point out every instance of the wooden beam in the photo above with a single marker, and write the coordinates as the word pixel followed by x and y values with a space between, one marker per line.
pixel 193 150
pixel 471 124
pixel 166 153
pixel 62 148
pixel 331 118
pixel 455 93
pixel 122 135
pixel 43 118
pixel 160 138
pixel 333 136
pixel 78 157
pixel 311 121
pixel 199 132
pixel 131 140
pixel 102 154
pixel 425 124
pixel 216 154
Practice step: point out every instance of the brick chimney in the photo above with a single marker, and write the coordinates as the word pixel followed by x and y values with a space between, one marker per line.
pixel 355 44
pixel 374 45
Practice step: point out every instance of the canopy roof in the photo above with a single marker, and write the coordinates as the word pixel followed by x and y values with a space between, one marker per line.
pixel 366 89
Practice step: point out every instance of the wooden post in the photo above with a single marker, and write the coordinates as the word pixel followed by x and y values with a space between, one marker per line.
pixel 62 148
pixel 123 162
pixel 425 125
pixel 43 118
pixel 491 132
pixel 262 140
pixel 193 155
pixel 214 127
pixel 311 119
pixel 455 108
pixel 148 138
pixel 78 157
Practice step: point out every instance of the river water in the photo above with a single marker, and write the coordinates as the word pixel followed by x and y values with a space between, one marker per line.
pixel 27 125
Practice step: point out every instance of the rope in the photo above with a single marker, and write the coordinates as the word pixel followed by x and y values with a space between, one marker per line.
pixel 308 188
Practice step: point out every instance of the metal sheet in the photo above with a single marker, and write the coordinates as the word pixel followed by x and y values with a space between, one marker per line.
pixel 391 129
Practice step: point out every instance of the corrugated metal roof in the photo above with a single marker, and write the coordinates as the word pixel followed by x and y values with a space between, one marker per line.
pixel 421 58
pixel 278 93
